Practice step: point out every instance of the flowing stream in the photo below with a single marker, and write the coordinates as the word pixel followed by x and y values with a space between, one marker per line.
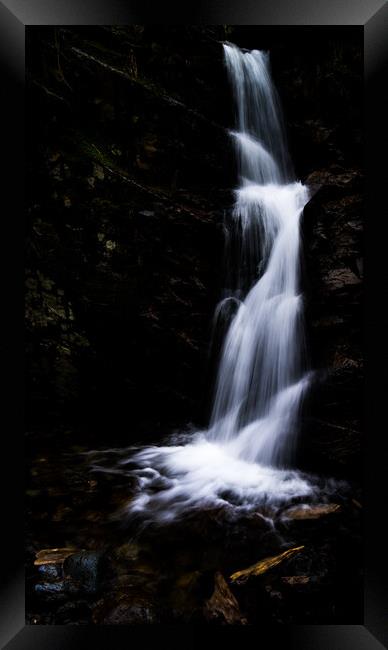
pixel 242 459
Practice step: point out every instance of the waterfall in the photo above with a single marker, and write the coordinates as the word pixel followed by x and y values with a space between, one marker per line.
pixel 261 379
pixel 240 462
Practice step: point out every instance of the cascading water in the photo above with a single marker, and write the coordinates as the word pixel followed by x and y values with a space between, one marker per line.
pixel 260 381
pixel 239 462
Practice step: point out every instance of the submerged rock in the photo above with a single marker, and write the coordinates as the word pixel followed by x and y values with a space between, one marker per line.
pixel 311 512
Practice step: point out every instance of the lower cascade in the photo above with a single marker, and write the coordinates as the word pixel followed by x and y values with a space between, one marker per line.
pixel 241 461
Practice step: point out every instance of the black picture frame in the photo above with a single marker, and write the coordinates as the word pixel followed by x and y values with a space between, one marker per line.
pixel 372 18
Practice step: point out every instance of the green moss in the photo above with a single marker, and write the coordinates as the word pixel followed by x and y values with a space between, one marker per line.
pixel 96 153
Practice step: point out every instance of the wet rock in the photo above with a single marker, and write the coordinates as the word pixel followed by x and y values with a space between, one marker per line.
pixel 333 225
pixel 49 589
pixel 126 609
pixel 273 593
pixel 187 595
pixel 129 568
pixel 50 568
pixel 85 568
pixel 311 512
pixel 73 611
pixel 127 553
pixel 264 565
pixel 57 590
pixel 334 182
pixel 223 607
pixel 338 279
pixel 77 573
pixel 295 580
pixel 51 571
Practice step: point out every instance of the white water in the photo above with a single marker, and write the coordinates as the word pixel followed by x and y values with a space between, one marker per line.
pixel 241 460
pixel 260 381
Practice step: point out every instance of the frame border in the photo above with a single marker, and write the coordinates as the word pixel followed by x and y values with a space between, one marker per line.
pixel 372 16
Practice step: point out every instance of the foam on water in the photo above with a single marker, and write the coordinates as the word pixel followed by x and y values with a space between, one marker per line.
pixel 206 474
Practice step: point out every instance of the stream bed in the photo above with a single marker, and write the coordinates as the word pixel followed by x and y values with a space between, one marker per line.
pixel 301 567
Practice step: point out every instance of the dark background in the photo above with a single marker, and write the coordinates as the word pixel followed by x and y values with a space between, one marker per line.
pixel 129 173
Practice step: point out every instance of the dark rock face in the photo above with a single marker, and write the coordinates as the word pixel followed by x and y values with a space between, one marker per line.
pixel 334 270
pixel 127 188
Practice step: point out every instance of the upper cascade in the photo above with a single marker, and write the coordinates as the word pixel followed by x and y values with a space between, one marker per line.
pixel 261 380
